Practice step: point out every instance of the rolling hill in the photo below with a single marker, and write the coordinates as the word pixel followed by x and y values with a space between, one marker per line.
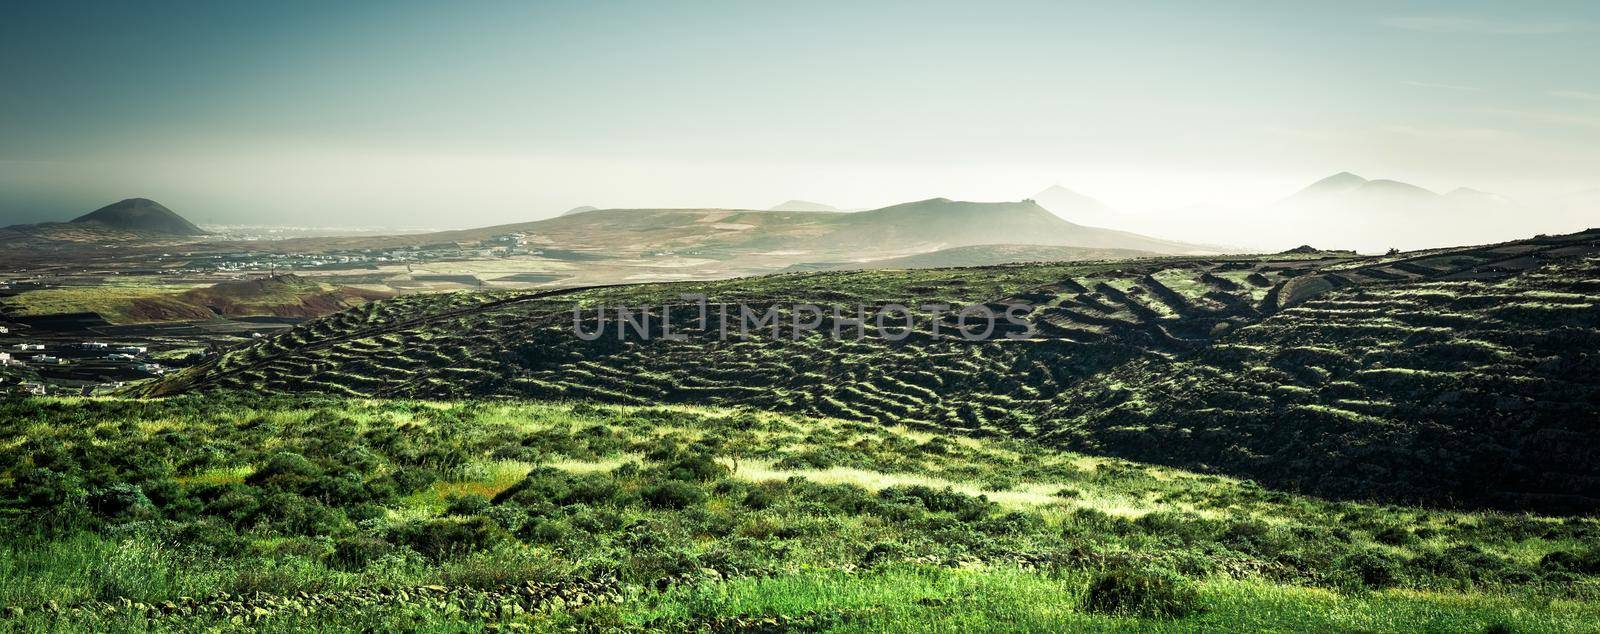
pixel 1430 377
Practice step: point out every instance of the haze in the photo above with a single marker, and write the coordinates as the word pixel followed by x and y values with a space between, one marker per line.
pixel 415 115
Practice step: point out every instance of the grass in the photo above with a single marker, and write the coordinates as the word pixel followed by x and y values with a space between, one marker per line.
pixel 286 504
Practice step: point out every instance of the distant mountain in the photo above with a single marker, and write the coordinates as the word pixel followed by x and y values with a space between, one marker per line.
pixel 1345 188
pixel 1348 211
pixel 1336 184
pixel 980 255
pixel 803 205
pixel 1076 207
pixel 791 236
pixel 141 215
pixel 948 223
pixel 578 210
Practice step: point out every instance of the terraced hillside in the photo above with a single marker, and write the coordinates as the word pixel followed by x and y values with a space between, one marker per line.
pixel 1449 387
pixel 1264 367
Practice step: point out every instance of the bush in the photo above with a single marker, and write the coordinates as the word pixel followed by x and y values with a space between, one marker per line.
pixel 883 552
pixel 1148 593
pixel 291 514
pixel 1185 528
pixel 1394 536
pixel 121 501
pixel 408 480
pixel 284 470
pixel 696 467
pixel 758 499
pixel 469 504
pixel 545 485
pixel 210 534
pixel 673 494
pixel 1463 563
pixel 947 500
pixel 1587 563
pixel 1373 569
pixel 443 538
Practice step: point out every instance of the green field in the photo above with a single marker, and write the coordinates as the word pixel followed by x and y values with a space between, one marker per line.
pixel 293 513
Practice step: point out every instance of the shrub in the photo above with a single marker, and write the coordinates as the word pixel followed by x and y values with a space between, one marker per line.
pixel 883 552
pixel 1185 528
pixel 210 534
pixel 758 499
pixel 673 494
pixel 408 480
pixel 548 485
pixel 284 470
pixel 1253 537
pixel 121 501
pixel 469 504
pixel 509 517
pixel 833 498
pixel 1587 562
pixel 945 500
pixel 1464 562
pixel 291 514
pixel 443 538
pixel 544 531
pixel 1147 593
pixel 1013 523
pixel 695 467
pixel 1394 536
pixel 1373 569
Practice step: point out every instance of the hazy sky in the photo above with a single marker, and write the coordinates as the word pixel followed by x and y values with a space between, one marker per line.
pixel 457 114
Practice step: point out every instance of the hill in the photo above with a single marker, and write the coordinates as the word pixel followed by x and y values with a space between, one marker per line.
pixel 141 215
pixel 979 255
pixel 1432 375
pixel 794 236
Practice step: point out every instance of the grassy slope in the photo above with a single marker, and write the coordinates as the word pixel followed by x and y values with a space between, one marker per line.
pixel 794 521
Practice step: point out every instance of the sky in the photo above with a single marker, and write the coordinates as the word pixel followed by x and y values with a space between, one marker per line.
pixel 465 114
